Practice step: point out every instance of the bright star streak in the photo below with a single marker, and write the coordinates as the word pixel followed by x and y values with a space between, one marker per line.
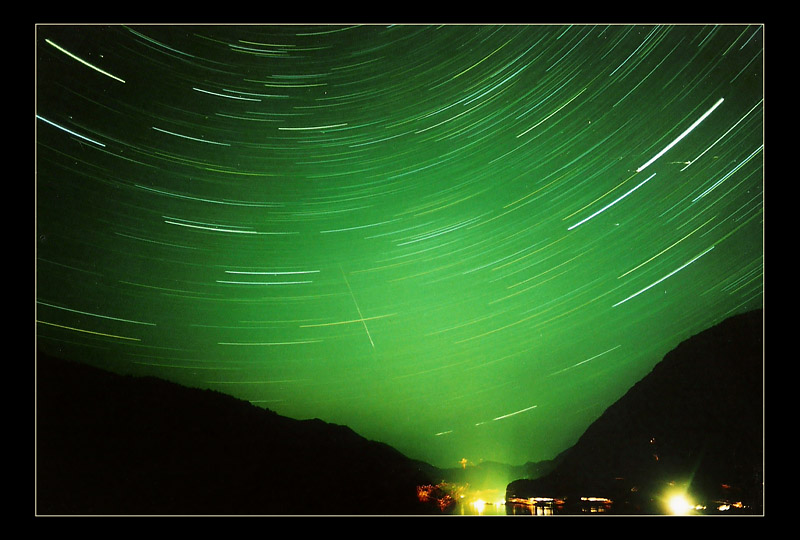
pixel 663 278
pixel 189 138
pixel 584 361
pixel 721 180
pixel 272 273
pixel 88 331
pixel 666 249
pixel 95 314
pixel 271 344
pixel 84 62
pixel 263 282
pixel 681 136
pixel 337 323
pixel 69 131
pixel 207 227
pixel 357 227
pixel 551 114
pixel 688 164
pixel 513 413
pixel 606 207
pixel 309 128
pixel 224 95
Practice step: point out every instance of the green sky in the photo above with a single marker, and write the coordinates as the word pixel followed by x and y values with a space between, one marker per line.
pixel 463 241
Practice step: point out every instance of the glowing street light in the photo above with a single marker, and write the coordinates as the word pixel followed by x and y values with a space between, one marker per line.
pixel 679 505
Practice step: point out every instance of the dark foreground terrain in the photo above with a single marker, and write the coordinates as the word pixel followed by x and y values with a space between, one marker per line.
pixel 694 424
pixel 117 445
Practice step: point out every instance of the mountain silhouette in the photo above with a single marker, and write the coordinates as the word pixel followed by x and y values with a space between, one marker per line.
pixel 695 422
pixel 109 444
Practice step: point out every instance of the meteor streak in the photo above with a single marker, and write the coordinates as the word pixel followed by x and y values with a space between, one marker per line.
pixel 360 316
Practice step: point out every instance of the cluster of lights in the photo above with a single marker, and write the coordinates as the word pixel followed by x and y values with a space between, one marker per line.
pixel 596 499
pixel 437 494
pixel 534 500
pixel 727 506
pixel 679 505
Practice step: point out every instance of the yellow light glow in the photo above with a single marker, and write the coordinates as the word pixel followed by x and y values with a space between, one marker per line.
pixel 679 505
pixel 479 505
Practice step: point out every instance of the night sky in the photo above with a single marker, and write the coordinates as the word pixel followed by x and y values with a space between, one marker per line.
pixel 466 241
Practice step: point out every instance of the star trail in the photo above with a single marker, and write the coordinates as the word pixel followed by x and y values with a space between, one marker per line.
pixel 465 241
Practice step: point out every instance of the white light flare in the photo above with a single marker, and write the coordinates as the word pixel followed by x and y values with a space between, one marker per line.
pixel 681 136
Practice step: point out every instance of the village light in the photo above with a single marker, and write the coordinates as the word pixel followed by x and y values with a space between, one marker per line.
pixel 679 505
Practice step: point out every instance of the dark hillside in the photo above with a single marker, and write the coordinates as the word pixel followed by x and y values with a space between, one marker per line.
pixel 110 444
pixel 696 420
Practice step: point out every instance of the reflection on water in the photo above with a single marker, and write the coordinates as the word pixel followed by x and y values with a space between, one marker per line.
pixel 498 509
pixel 529 510
pixel 538 508
pixel 464 500
pixel 479 508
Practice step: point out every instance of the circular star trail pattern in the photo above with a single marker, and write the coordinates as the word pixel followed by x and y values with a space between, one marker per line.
pixel 466 241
